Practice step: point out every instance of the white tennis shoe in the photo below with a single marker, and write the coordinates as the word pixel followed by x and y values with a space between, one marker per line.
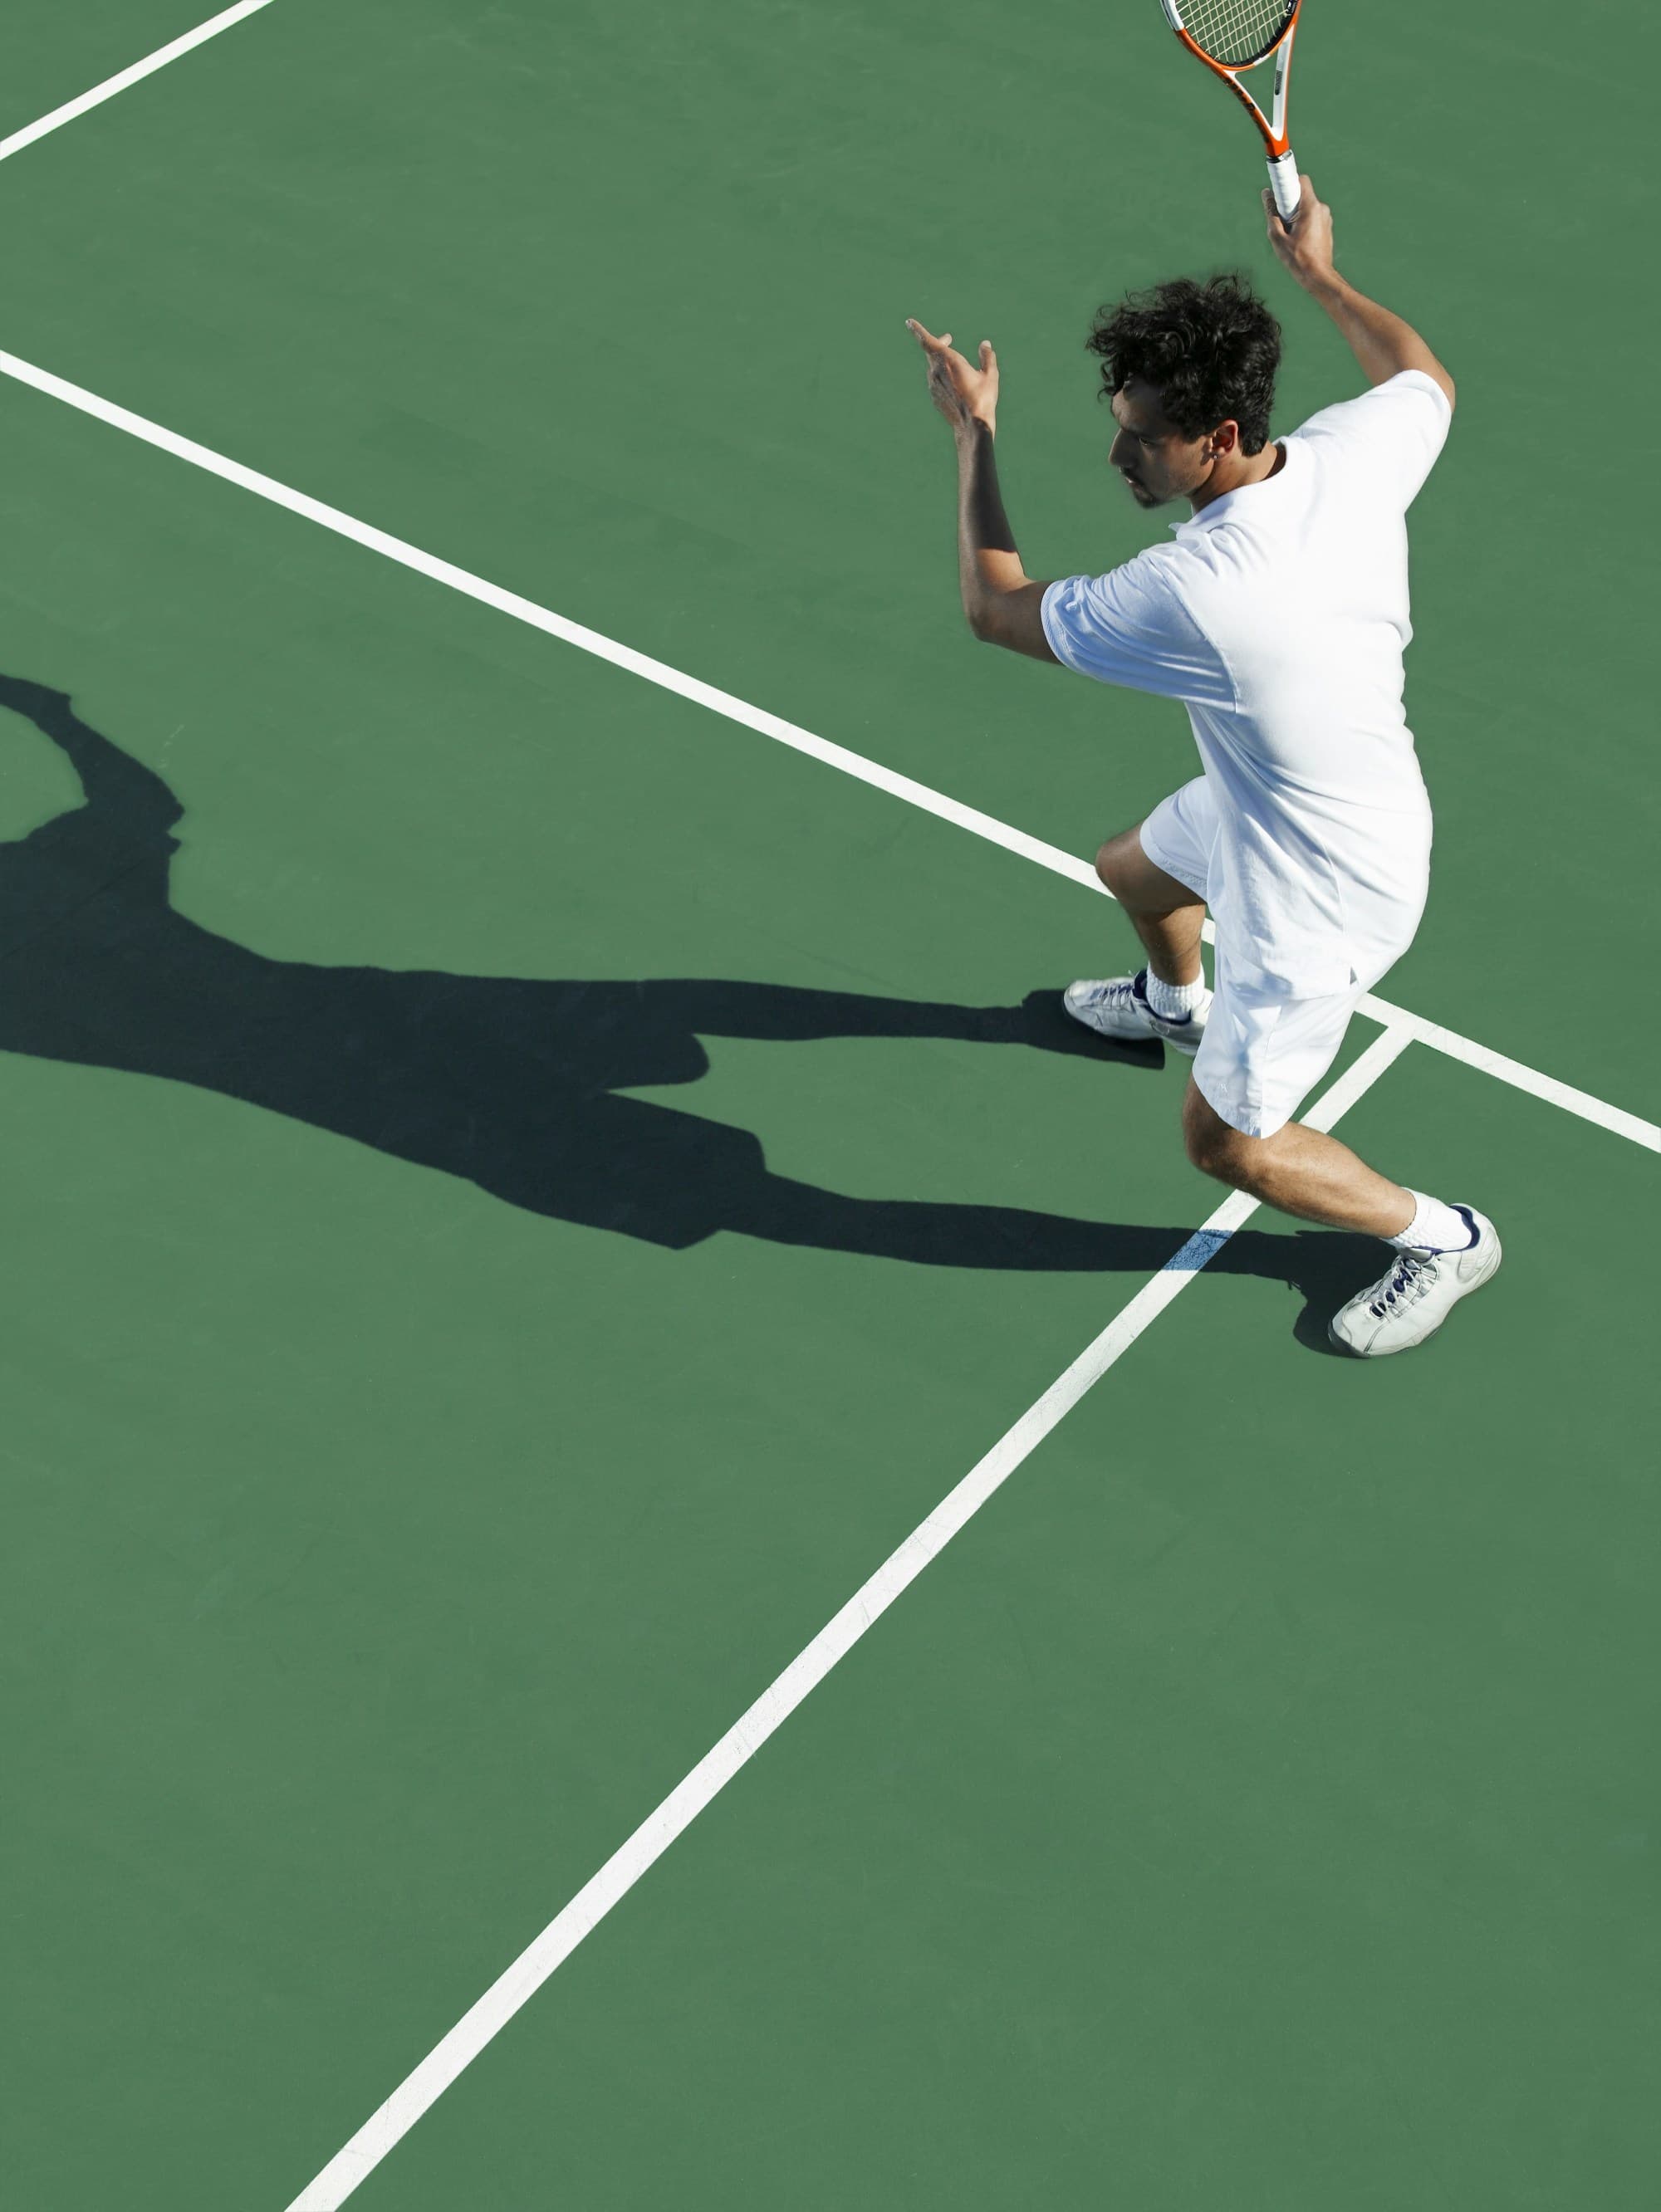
pixel 1118 1008
pixel 1415 1296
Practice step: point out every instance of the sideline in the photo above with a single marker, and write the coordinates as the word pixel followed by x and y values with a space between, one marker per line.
pixel 387 2127
pixel 67 113
pixel 485 2020
pixel 922 795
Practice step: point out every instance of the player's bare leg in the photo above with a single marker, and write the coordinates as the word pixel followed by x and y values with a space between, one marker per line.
pixel 1297 1170
pixel 1167 999
pixel 1164 913
pixel 1443 1253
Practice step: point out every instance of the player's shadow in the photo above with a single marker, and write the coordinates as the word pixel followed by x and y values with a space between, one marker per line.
pixel 511 1084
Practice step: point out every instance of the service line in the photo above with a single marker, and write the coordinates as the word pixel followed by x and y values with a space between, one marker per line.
pixel 139 70
pixel 921 795
pixel 387 2126
pixel 486 2019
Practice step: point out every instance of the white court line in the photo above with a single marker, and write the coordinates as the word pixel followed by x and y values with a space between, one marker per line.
pixel 385 2128
pixel 1496 1064
pixel 111 85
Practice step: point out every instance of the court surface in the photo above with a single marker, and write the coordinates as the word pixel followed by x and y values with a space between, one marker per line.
pixel 526 1189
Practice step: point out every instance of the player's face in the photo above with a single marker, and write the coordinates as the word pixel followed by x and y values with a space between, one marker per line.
pixel 1155 460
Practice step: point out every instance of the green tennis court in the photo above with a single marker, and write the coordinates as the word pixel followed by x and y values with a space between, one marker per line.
pixel 525 1191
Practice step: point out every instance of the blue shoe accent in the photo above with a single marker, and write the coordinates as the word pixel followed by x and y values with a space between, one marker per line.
pixel 1139 987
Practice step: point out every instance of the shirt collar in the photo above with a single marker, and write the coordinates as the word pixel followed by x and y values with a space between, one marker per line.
pixel 1224 510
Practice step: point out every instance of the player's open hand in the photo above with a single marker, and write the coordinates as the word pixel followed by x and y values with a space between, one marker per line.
pixel 1304 246
pixel 964 393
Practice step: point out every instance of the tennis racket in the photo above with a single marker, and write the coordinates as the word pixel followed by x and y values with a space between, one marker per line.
pixel 1232 35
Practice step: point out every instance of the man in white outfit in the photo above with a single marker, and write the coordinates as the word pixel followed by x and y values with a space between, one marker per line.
pixel 1278 614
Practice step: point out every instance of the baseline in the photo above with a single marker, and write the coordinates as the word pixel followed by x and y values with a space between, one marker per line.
pixel 133 74
pixel 921 795
pixel 387 2126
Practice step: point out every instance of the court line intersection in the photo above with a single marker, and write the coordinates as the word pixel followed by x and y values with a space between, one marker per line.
pixel 393 2118
pixel 922 795
pixel 485 2020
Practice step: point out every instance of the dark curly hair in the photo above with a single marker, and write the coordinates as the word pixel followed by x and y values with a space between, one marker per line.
pixel 1210 350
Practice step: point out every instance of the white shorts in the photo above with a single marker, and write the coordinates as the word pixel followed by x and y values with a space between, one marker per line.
pixel 1261 1052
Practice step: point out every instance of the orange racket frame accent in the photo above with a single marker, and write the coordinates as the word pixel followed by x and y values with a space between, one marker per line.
pixel 1282 167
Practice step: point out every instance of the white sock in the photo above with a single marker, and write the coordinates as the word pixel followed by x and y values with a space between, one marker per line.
pixel 1435 1227
pixel 1173 1000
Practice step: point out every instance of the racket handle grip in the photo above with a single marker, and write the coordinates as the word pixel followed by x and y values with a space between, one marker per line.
pixel 1283 183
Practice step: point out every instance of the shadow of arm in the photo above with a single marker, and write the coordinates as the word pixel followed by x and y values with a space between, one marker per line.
pixel 124 794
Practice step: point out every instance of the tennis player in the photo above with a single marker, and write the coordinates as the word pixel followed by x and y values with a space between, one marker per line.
pixel 1278 614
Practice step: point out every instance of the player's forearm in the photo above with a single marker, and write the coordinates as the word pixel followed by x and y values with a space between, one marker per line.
pixel 1382 342
pixel 989 566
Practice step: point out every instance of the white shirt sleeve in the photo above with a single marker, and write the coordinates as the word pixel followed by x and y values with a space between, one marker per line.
pixel 1131 627
pixel 1392 434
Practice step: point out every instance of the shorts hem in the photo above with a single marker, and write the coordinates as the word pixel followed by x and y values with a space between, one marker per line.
pixel 1244 1125
pixel 1151 851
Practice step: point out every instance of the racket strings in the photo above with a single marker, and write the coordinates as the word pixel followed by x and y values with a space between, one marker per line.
pixel 1236 32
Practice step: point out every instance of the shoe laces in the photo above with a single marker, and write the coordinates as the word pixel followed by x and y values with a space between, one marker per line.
pixel 1409 1280
pixel 1119 991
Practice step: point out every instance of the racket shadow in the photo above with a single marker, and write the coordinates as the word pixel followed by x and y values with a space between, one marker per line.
pixel 515 1085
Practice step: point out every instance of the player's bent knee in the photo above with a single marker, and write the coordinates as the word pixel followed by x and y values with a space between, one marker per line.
pixel 1110 867
pixel 1212 1155
pixel 1214 1147
pixel 1200 1142
pixel 1139 887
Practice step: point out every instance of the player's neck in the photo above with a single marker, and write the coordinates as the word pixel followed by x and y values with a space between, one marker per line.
pixel 1233 471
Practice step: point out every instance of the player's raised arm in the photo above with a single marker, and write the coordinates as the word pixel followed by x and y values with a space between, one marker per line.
pixel 1002 603
pixel 1382 342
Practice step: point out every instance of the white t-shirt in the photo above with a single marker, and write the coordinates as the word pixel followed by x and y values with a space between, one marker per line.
pixel 1278 617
